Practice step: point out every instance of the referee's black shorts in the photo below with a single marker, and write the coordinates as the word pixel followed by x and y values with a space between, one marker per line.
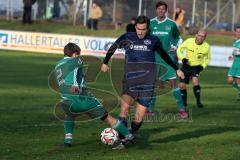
pixel 189 72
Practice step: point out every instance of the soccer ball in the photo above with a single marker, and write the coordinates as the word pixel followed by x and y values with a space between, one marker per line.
pixel 109 136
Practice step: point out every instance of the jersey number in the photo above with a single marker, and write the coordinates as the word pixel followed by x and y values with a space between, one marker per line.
pixel 59 77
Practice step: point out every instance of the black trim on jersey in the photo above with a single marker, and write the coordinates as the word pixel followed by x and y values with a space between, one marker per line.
pixel 163 54
pixel 109 54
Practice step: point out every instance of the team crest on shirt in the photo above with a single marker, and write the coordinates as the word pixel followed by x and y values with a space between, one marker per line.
pixel 168 28
pixel 147 42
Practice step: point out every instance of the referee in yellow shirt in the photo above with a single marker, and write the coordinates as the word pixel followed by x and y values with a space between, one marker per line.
pixel 195 56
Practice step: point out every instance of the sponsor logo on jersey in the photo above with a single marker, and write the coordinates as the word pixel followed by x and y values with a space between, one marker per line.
pixel 147 42
pixel 167 28
pixel 139 47
pixel 159 33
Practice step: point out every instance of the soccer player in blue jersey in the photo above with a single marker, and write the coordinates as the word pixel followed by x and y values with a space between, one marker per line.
pixel 76 99
pixel 139 69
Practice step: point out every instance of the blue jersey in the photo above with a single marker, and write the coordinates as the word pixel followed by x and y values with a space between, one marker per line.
pixel 138 50
pixel 139 68
pixel 139 55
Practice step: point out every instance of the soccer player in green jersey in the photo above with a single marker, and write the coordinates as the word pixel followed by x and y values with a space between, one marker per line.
pixel 234 71
pixel 167 31
pixel 76 98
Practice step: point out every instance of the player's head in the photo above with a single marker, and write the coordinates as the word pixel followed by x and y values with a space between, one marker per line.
pixel 133 20
pixel 142 25
pixel 178 9
pixel 200 36
pixel 161 9
pixel 94 5
pixel 237 32
pixel 71 50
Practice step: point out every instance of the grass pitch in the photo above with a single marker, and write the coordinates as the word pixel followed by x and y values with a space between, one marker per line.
pixel 29 129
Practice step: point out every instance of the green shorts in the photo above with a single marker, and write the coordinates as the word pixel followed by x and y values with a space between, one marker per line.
pixel 234 71
pixel 168 73
pixel 76 104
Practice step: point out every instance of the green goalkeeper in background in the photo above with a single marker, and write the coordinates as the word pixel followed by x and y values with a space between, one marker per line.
pixel 76 99
pixel 168 33
pixel 234 71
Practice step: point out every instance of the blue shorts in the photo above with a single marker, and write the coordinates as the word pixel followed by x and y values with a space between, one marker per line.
pixel 142 93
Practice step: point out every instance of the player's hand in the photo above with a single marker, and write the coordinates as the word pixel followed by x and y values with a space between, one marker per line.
pixel 75 89
pixel 180 74
pixel 104 68
pixel 172 50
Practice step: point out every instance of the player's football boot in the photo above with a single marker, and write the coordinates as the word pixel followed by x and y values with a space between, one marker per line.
pixel 65 144
pixel 183 114
pixel 118 145
pixel 199 105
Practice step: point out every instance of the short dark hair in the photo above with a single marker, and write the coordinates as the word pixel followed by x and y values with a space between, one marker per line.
pixel 133 19
pixel 237 27
pixel 161 3
pixel 71 48
pixel 142 20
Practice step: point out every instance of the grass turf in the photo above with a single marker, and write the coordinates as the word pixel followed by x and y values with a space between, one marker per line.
pixel 29 129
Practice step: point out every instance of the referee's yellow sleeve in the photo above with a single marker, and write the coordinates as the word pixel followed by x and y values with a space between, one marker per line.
pixel 206 58
pixel 181 48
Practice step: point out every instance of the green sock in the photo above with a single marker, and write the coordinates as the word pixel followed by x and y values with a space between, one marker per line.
pixel 235 85
pixel 122 129
pixel 152 104
pixel 68 131
pixel 178 97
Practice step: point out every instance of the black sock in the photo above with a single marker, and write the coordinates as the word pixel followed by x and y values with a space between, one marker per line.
pixel 197 92
pixel 135 126
pixel 184 97
pixel 123 120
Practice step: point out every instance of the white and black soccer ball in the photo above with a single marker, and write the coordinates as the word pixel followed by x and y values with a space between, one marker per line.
pixel 109 136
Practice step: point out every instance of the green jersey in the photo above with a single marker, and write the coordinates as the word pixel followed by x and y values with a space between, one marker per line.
pixel 236 53
pixel 167 31
pixel 234 71
pixel 69 72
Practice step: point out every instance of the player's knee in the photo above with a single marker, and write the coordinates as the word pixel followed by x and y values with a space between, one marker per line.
pixel 195 81
pixel 238 80
pixel 173 83
pixel 182 86
pixel 230 80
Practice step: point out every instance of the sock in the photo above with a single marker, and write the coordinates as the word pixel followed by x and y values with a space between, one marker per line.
pixel 184 97
pixel 234 84
pixel 125 123
pixel 121 128
pixel 123 120
pixel 68 130
pixel 237 86
pixel 135 126
pixel 152 104
pixel 197 92
pixel 178 97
